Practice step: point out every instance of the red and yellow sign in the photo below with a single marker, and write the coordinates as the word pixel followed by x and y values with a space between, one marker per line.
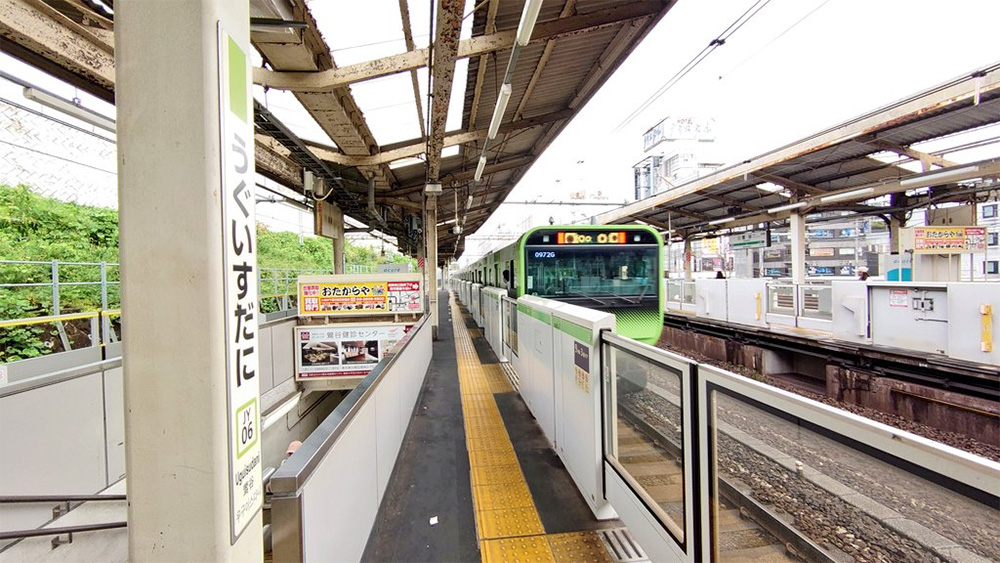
pixel 949 240
pixel 351 295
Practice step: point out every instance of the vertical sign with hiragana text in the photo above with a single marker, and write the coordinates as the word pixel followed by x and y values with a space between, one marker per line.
pixel 240 294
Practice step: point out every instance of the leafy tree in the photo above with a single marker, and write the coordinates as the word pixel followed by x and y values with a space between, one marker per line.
pixel 34 228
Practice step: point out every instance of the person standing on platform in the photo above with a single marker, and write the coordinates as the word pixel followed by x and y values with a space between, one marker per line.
pixel 863 273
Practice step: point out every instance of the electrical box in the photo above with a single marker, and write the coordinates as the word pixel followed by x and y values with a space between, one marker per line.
pixel 914 317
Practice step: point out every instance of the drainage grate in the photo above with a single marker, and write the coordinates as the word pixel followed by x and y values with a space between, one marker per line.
pixel 622 547
pixel 515 381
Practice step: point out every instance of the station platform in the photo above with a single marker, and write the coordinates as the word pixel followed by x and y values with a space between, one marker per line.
pixel 476 478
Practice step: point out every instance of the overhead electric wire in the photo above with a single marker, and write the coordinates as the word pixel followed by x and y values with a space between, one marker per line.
pixel 779 36
pixel 694 62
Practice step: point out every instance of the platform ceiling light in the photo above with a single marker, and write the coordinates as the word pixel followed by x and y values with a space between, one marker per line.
pixel 721 221
pixel 788 207
pixel 527 24
pixel 928 179
pixel 502 98
pixel 846 195
pixel 479 168
pixel 69 108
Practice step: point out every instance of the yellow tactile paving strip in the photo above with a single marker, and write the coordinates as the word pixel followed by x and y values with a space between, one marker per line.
pixel 509 528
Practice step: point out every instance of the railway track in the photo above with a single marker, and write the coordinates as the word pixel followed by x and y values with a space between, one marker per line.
pixel 833 505
pixel 748 531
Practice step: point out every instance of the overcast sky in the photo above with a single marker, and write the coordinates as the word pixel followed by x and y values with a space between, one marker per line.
pixel 773 82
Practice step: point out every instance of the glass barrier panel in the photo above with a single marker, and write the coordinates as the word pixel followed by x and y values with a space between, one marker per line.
pixel 689 293
pixel 817 302
pixel 781 299
pixel 647 434
pixel 779 490
pixel 675 291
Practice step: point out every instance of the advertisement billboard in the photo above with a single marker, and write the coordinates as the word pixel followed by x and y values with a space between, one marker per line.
pixel 949 240
pixel 352 295
pixel 343 350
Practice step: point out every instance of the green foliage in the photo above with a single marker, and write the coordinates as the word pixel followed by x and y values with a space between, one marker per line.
pixel 34 228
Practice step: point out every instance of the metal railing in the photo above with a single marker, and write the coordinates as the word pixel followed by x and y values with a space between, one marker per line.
pixel 98 283
pixel 64 505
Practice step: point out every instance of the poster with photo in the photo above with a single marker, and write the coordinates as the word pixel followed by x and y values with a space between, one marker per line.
pixel 344 349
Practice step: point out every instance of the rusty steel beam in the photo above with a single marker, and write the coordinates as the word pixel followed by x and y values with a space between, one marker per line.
pixel 802 189
pixel 925 158
pixel 465 175
pixel 45 37
pixel 339 77
pixel 731 201
pixel 415 205
pixel 449 25
pixel 415 147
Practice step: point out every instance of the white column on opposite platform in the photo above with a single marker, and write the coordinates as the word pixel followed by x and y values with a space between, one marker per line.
pixel 797 231
pixel 687 259
pixel 189 280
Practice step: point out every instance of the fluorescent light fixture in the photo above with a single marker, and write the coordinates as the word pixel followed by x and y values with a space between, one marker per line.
pixel 788 207
pixel 468 203
pixel 527 24
pixel 721 221
pixel 502 98
pixel 928 179
pixel 479 168
pixel 846 195
pixel 70 108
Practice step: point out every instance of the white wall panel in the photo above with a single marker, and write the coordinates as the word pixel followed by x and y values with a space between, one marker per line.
pixel 340 500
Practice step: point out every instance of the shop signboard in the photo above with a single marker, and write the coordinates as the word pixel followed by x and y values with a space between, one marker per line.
pixel 343 350
pixel 949 240
pixel 354 295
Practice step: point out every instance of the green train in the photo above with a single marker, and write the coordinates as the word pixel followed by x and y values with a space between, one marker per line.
pixel 612 268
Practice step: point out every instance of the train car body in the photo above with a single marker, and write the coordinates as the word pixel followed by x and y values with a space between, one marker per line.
pixel 612 268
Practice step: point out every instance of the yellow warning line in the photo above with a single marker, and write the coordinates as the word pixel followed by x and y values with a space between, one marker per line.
pixel 507 521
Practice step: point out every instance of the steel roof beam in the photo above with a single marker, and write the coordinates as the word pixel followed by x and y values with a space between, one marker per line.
pixel 491 27
pixel 449 25
pixel 42 36
pixel 404 14
pixel 334 78
pixel 416 147
pixel 925 159
pixel 733 202
pixel 466 175
pixel 799 187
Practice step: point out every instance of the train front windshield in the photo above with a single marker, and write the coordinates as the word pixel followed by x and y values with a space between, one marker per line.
pixel 609 274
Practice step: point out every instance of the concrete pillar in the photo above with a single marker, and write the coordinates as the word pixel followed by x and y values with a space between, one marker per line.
pixel 430 264
pixel 687 259
pixel 797 231
pixel 189 281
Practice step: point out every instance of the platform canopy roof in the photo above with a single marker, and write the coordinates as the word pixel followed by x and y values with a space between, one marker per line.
pixel 574 47
pixel 866 166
